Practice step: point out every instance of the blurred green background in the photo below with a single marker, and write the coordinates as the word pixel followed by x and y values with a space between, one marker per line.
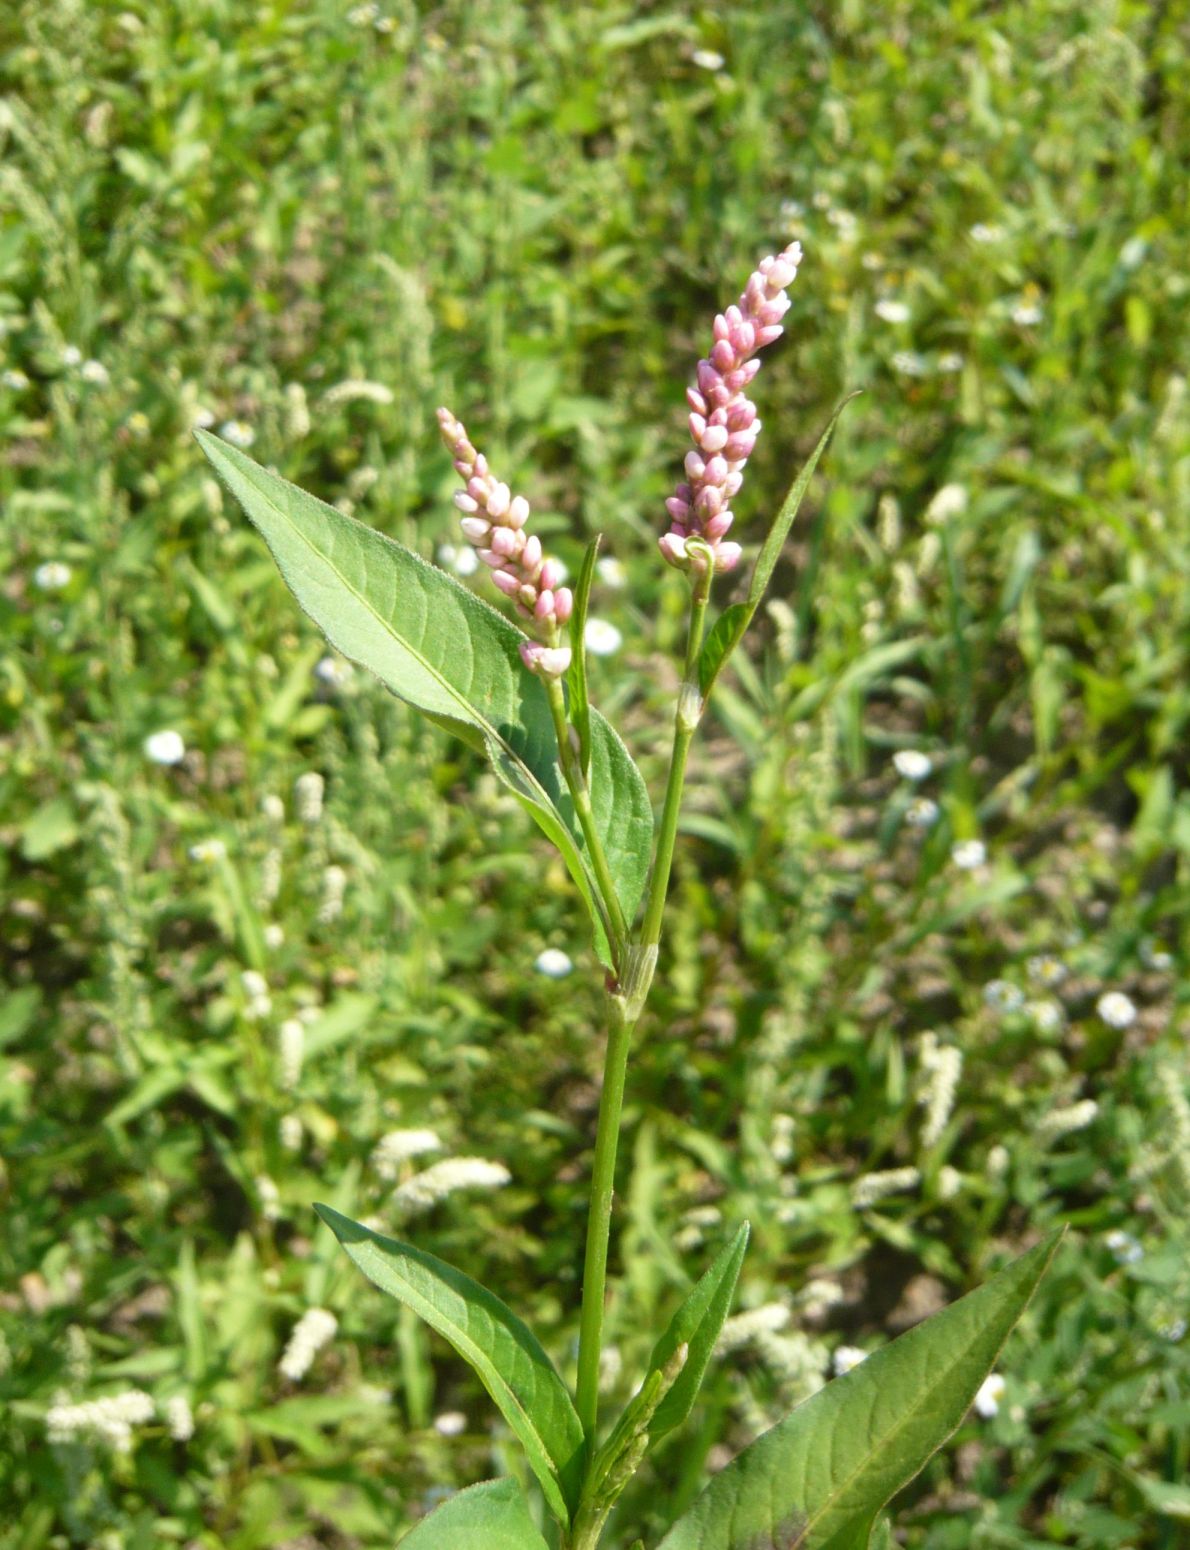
pixel 228 977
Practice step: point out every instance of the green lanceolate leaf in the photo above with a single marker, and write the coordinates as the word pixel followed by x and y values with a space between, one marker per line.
pixel 493 1515
pixel 576 679
pixel 819 1478
pixel 731 624
pixel 696 1325
pixel 504 1352
pixel 445 651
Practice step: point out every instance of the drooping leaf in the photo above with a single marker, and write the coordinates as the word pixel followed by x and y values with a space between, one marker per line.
pixel 819 1478
pixel 445 651
pixel 506 1355
pixel 576 679
pixel 493 1515
pixel 731 624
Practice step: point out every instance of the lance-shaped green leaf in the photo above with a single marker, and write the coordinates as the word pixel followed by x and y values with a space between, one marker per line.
pixel 819 1478
pixel 493 1515
pixel 504 1352
pixel 695 1325
pixel 576 679
pixel 731 624
pixel 444 650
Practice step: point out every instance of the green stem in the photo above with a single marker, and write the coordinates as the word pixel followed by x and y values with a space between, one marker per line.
pixel 614 922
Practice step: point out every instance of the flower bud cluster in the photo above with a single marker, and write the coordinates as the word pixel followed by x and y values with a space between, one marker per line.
pixel 723 421
pixel 493 521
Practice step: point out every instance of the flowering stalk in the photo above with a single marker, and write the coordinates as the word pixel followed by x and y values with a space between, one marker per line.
pixel 723 421
pixel 493 522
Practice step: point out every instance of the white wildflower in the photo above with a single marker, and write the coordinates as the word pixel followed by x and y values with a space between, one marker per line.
pixel 611 572
pixel 272 807
pixel 891 311
pixel 950 1182
pixel 969 855
pixel 707 59
pixel 398 1146
pixel 909 363
pixel 553 963
pixel 52 576
pixel 108 1420
pixel 451 1423
pixel 297 412
pixel 165 747
pixel 743 1328
pixel 270 1198
pixel 202 418
pixel 445 1178
pixel 13 379
pixel 1046 1016
pixel 948 501
pixel 363 15
pixel 998 1161
pixel 290 1130
pixel 983 233
pixel 1155 957
pixel 866 1191
pixel 846 1358
pixel 792 210
pixel 291 1045
pixel 315 1329
pixel 179 1418
pixel 949 362
pixel 1044 969
pixel 95 374
pixel 384 25
pixel 781 1145
pixel 912 764
pixel 602 638
pixel 355 388
pixel 334 888
pixel 1003 996
pixel 238 432
pixel 941 1066
pixel 463 559
pixel 1063 1122
pixel 274 935
pixel 1116 1009
pixel 1026 314
pixel 1123 1247
pixel 207 851
pixel 256 988
pixel 71 355
pixel 922 813
pixel 308 792
pixel 333 671
pixel 991 1392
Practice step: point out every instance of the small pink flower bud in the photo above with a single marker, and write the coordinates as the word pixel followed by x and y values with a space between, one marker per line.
pixel 499 500
pixel 716 470
pixel 550 576
pixel 678 509
pixel 509 584
pixel 563 604
pixel 698 426
pixel 492 559
pixel 769 335
pixel 547 661
pixel 723 357
pixel 716 527
pixel 673 549
pixel 727 556
pixel 531 555
pixel 518 512
pixel 739 448
pixel 709 501
pixel 505 541
pixel 695 468
pixel 696 401
pixel 708 377
pixel 721 328
pixel 477 489
pixel 743 337
pixel 731 485
pixel 465 502
pixel 713 438
pixel 475 529
pixel 526 596
pixel 543 608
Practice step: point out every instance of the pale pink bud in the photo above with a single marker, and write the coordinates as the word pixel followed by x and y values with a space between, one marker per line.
pixel 543 608
pixel 768 335
pixel 743 337
pixel 463 466
pixel 721 328
pixel 563 604
pixel 727 556
pixel 713 438
pixel 723 357
pixel 709 501
pixel 551 575
pixel 505 541
pixel 678 509
pixel 740 415
pixel 731 485
pixel 490 557
pixel 464 501
pixel 715 527
pixel 518 512
pixel 548 661
pixel 698 425
pixel 477 489
pixel 708 377
pixel 716 471
pixel 695 467
pixel 738 448
pixel 673 548
pixel 531 555
pixel 526 596
pixel 696 401
pixel 499 500
pixel 475 529
pixel 509 584
pixel 480 464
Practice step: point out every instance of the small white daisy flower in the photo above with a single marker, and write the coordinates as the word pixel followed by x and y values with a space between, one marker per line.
pixel 602 638
pixel 891 311
pixel 1116 1009
pixel 238 432
pixel 912 764
pixel 165 747
pixel 451 1423
pixel 707 59
pixel 922 813
pixel 968 855
pixel 203 419
pixel 553 963
pixel 982 233
pixel 949 362
pixel 52 576
pixel 1026 314
pixel 991 1392
pixel 208 851
pixel 71 355
pixel 611 572
pixel 1002 996
pixel 95 373
pixel 1123 1247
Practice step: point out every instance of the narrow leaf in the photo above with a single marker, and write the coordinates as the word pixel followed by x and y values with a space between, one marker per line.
pixel 504 1352
pixel 819 1478
pixel 576 679
pixel 445 651
pixel 494 1515
pixel 729 628
pixel 696 1325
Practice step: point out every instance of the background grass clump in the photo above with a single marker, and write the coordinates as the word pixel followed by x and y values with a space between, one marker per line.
pixel 226 979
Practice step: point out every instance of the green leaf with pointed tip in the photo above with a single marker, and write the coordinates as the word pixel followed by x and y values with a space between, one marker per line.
pixel 819 1478
pixel 731 624
pixel 493 1515
pixel 444 650
pixel 696 1324
pixel 504 1352
pixel 576 679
